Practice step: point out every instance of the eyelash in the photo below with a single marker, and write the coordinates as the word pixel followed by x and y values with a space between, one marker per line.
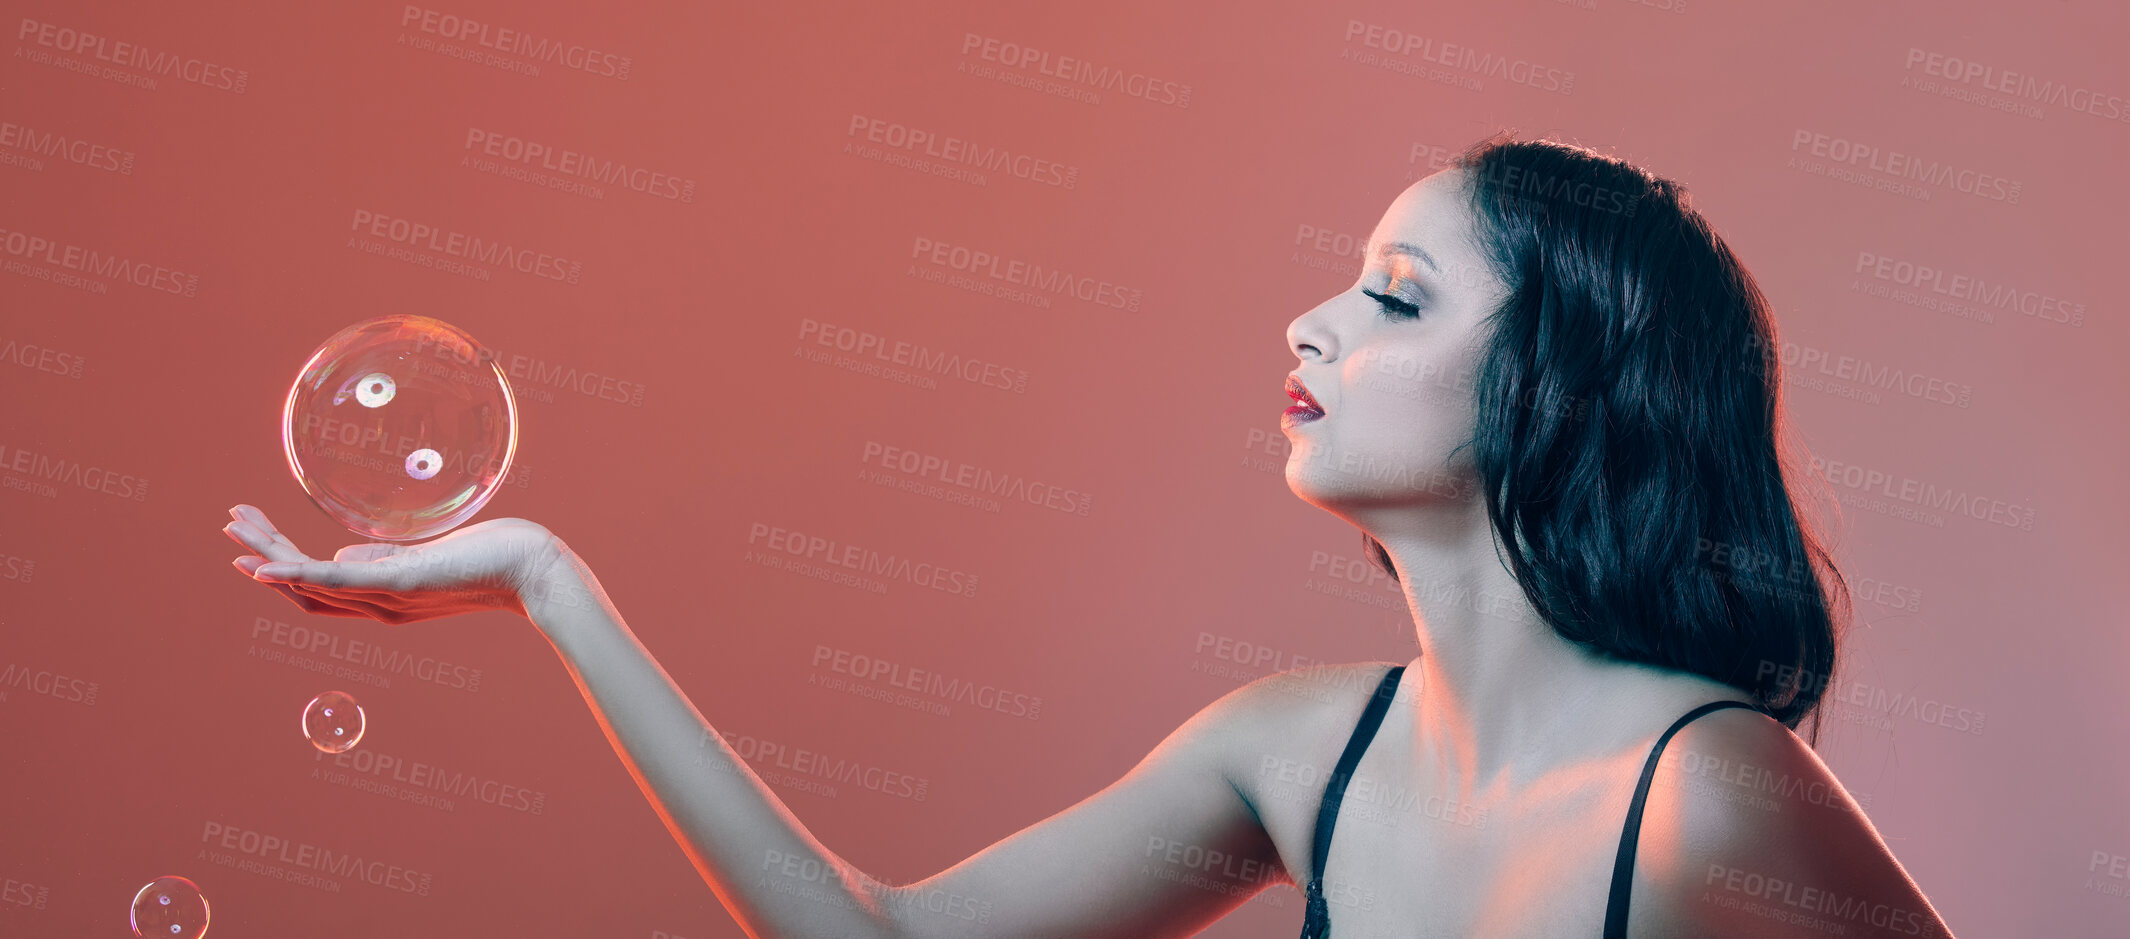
pixel 1392 306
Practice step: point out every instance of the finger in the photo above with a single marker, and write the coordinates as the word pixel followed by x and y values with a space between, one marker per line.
pixel 251 535
pixel 320 607
pixel 329 604
pixel 373 551
pixel 245 512
pixel 251 562
pixel 350 606
pixel 255 538
pixel 333 575
pixel 252 514
pixel 306 603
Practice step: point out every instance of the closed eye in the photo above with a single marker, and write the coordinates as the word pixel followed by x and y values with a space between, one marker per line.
pixel 1394 306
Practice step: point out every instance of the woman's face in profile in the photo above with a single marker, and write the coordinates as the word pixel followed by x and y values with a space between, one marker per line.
pixel 1391 361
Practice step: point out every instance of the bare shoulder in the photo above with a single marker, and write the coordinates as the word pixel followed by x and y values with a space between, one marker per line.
pixel 1746 832
pixel 1299 703
pixel 1279 719
pixel 1280 736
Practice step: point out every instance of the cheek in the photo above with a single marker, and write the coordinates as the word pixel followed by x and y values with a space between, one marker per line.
pixel 1411 394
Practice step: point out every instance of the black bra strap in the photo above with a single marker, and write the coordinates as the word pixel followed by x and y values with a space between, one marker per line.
pixel 1327 817
pixel 1623 865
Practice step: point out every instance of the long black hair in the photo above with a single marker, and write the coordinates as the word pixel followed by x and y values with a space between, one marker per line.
pixel 1628 419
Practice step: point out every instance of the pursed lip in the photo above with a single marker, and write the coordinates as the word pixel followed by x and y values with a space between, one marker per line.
pixel 1300 393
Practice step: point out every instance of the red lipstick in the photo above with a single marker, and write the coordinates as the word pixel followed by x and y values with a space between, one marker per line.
pixel 1305 407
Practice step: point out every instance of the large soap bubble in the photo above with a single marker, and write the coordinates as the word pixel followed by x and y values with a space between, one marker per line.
pixel 400 427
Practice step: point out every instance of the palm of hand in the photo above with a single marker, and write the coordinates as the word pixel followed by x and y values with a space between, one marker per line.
pixel 485 566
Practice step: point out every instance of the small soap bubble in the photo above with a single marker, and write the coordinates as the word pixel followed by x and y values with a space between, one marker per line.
pixel 170 906
pixel 400 427
pixel 333 722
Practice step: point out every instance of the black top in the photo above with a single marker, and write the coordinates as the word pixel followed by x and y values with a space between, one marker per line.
pixel 1316 920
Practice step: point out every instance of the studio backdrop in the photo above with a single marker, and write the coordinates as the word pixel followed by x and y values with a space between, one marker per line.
pixel 910 375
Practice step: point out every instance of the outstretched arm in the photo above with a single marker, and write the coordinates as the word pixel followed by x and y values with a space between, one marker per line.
pixel 1163 851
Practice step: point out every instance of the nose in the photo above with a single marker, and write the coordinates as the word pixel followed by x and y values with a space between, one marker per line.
pixel 1310 336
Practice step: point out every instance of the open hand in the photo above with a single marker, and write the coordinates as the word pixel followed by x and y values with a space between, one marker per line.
pixel 485 566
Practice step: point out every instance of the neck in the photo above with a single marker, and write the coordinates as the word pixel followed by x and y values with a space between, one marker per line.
pixel 1501 697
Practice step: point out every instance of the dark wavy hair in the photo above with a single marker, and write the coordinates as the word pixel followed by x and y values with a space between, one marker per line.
pixel 1628 407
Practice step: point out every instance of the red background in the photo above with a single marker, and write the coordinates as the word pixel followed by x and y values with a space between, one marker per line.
pixel 1118 621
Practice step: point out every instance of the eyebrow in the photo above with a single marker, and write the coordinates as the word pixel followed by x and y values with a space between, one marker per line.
pixel 1411 250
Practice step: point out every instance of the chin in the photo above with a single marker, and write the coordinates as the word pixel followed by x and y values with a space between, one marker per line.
pixel 1329 490
pixel 1389 481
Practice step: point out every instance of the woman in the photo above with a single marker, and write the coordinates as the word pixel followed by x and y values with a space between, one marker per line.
pixel 1549 407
